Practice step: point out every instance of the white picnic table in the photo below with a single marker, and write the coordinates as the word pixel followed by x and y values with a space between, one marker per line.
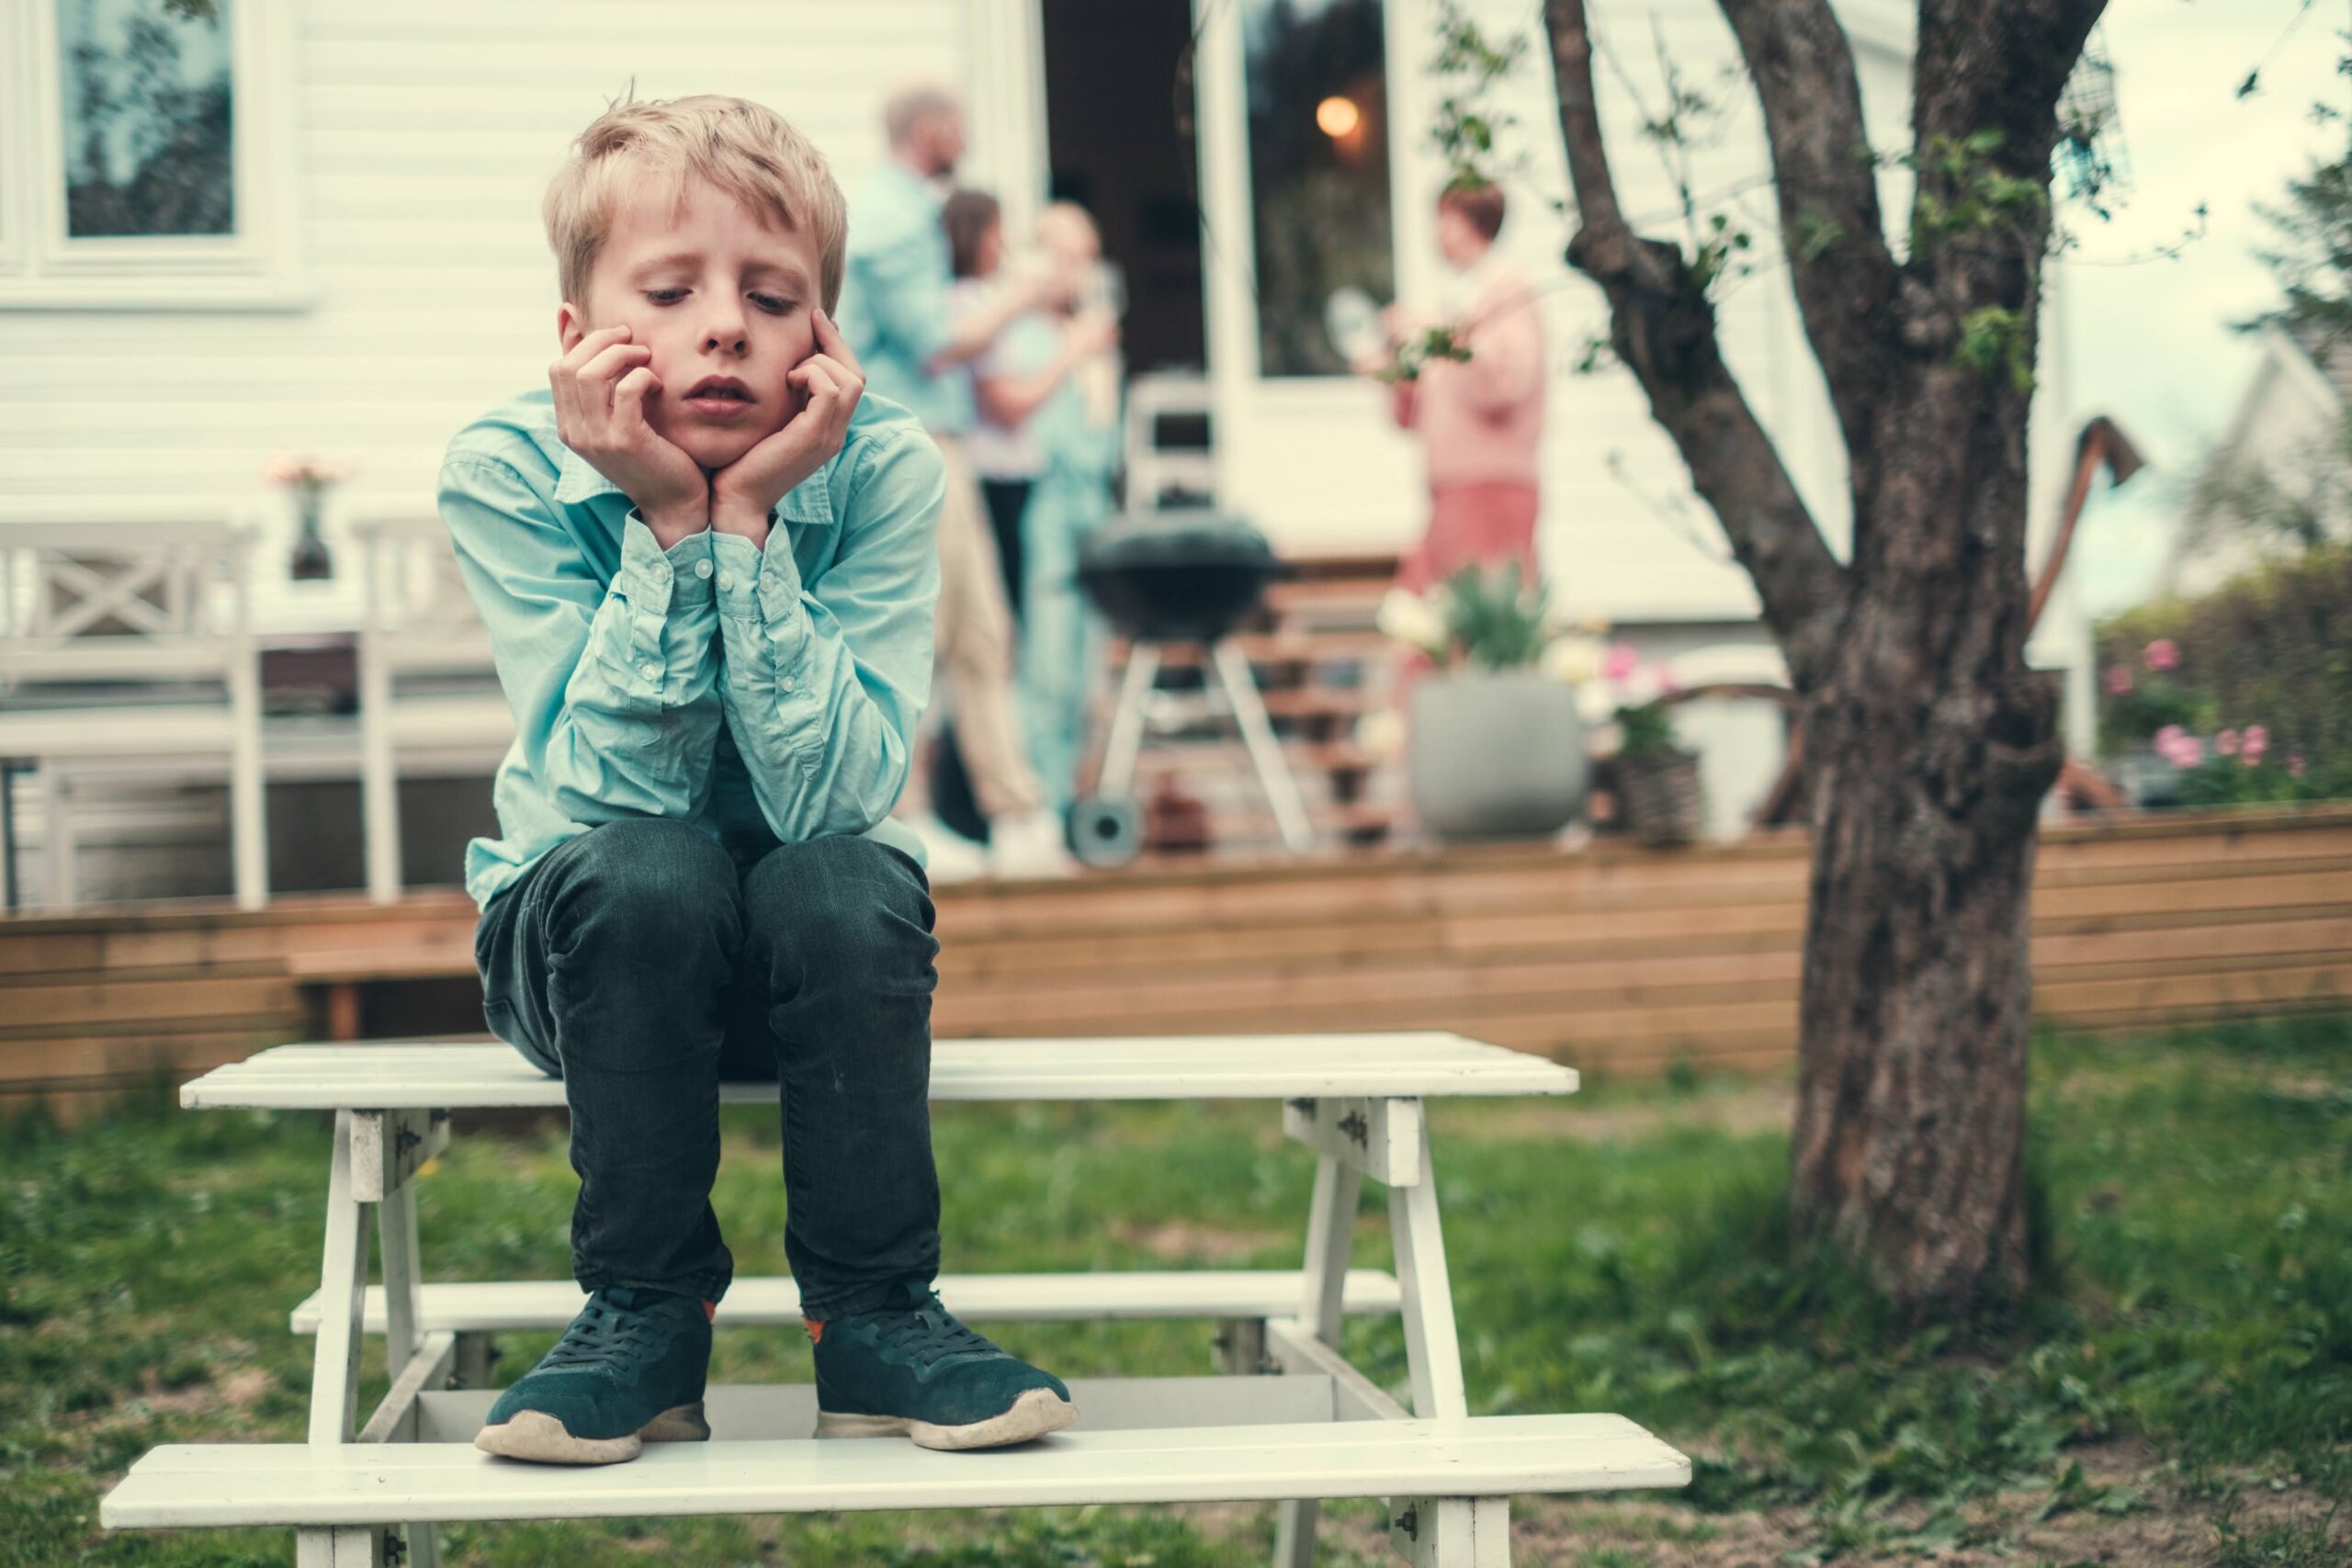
pixel 1287 1420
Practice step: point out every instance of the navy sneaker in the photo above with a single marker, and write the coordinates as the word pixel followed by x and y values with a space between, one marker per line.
pixel 629 1371
pixel 915 1371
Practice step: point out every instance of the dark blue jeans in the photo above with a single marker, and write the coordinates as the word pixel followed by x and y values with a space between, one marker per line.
pixel 643 963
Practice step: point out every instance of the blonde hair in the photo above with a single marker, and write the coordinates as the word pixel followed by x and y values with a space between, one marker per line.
pixel 746 150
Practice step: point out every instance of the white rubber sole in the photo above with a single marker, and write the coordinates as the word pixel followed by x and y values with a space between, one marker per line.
pixel 1035 1414
pixel 534 1435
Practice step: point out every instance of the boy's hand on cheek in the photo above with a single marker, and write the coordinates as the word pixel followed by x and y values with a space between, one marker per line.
pixel 600 391
pixel 827 385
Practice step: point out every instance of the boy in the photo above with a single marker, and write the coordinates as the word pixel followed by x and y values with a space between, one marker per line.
pixel 707 566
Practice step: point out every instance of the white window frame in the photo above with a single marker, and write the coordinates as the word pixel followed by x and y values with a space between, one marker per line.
pixel 258 268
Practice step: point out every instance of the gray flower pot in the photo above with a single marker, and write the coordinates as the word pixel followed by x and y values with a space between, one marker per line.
pixel 1496 754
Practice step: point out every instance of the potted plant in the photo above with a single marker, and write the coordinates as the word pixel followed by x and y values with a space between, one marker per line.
pixel 1496 743
pixel 1656 777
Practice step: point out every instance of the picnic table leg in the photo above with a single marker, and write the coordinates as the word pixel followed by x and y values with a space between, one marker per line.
pixel 1432 1348
pixel 1451 1532
pixel 1330 1230
pixel 403 1303
pixel 334 1366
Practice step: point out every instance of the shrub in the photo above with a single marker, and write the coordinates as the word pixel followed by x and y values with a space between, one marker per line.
pixel 2269 652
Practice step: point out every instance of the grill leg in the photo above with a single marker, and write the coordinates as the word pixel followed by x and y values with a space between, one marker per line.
pixel 1119 754
pixel 1265 752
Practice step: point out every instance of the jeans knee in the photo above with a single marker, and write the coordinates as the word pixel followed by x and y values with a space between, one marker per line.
pixel 659 891
pixel 846 912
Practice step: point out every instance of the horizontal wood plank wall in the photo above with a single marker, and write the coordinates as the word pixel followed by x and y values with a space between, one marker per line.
pixel 1615 959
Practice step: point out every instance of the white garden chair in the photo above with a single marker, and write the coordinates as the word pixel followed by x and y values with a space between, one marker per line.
pixel 125 642
pixel 428 685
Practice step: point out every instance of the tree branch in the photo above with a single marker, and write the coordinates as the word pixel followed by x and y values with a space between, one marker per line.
pixel 1663 326
pixel 1996 62
pixel 1825 174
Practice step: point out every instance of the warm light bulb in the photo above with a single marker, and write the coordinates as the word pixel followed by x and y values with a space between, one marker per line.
pixel 1336 117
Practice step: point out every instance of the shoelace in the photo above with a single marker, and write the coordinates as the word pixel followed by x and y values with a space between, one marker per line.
pixel 932 1334
pixel 603 1333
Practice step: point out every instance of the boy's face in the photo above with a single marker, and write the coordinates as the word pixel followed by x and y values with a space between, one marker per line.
pixel 696 278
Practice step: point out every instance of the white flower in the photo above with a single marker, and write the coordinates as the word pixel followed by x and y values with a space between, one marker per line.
pixel 1408 618
pixel 1381 733
pixel 1595 702
pixel 1574 659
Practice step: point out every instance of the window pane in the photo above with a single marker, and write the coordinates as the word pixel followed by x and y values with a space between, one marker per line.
pixel 1318 170
pixel 147 109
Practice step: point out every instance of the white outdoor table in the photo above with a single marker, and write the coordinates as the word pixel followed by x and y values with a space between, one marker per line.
pixel 1356 1099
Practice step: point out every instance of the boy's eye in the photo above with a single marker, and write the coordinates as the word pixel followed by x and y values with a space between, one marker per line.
pixel 767 302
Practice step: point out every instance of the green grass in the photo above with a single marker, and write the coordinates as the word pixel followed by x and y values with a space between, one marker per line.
pixel 2195 1196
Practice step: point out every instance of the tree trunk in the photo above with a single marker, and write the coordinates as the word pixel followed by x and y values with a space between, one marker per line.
pixel 1910 1127
pixel 1929 747
pixel 1929 744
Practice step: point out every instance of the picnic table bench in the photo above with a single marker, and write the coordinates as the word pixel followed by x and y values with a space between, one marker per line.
pixel 1288 1419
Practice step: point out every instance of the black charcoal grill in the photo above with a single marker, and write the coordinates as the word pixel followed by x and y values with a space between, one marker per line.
pixel 1189 576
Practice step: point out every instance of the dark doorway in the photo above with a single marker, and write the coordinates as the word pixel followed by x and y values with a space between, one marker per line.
pixel 1119 142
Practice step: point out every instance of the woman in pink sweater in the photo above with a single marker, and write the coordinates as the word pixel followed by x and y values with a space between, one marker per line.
pixel 1480 421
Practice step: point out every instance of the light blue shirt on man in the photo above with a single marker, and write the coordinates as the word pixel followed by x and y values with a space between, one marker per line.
pixel 766 695
pixel 895 312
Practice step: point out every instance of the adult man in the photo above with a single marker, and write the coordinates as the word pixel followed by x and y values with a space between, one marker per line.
pixel 897 318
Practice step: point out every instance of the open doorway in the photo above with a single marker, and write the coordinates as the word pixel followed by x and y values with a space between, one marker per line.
pixel 1119 142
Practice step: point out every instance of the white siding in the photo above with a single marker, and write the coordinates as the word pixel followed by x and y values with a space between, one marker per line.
pixel 427 131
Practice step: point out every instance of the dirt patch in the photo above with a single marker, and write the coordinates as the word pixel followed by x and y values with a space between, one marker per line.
pixel 2165 1527
pixel 239 1389
pixel 1182 1241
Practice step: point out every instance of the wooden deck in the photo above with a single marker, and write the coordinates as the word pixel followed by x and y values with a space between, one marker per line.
pixel 1615 958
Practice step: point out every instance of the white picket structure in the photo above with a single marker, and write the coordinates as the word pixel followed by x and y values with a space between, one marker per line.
pixel 1290 1420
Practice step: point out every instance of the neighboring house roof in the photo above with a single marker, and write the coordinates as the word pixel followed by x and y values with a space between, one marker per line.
pixel 2300 393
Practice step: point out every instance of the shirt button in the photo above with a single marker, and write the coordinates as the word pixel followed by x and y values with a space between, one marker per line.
pixel 790 684
pixel 660 571
pixel 650 671
pixel 726 580
pixel 702 569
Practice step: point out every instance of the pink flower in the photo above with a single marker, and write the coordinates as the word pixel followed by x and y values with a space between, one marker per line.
pixel 2179 747
pixel 2226 743
pixel 2257 742
pixel 2118 681
pixel 2162 654
pixel 1618 662
pixel 2295 766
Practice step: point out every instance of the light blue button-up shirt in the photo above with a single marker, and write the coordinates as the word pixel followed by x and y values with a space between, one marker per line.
pixel 894 311
pixel 765 695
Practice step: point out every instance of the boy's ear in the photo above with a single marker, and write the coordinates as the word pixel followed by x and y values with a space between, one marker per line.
pixel 571 325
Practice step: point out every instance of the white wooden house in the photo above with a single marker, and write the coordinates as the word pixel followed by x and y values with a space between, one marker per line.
pixel 2288 431
pixel 380 277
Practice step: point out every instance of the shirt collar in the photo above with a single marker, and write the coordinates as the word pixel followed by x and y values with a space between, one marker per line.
pixel 810 501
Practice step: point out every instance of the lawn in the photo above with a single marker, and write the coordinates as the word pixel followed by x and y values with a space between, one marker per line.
pixel 2178 1390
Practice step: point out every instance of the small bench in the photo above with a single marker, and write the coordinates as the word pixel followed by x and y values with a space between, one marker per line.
pixel 1480 1463
pixel 1290 1420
